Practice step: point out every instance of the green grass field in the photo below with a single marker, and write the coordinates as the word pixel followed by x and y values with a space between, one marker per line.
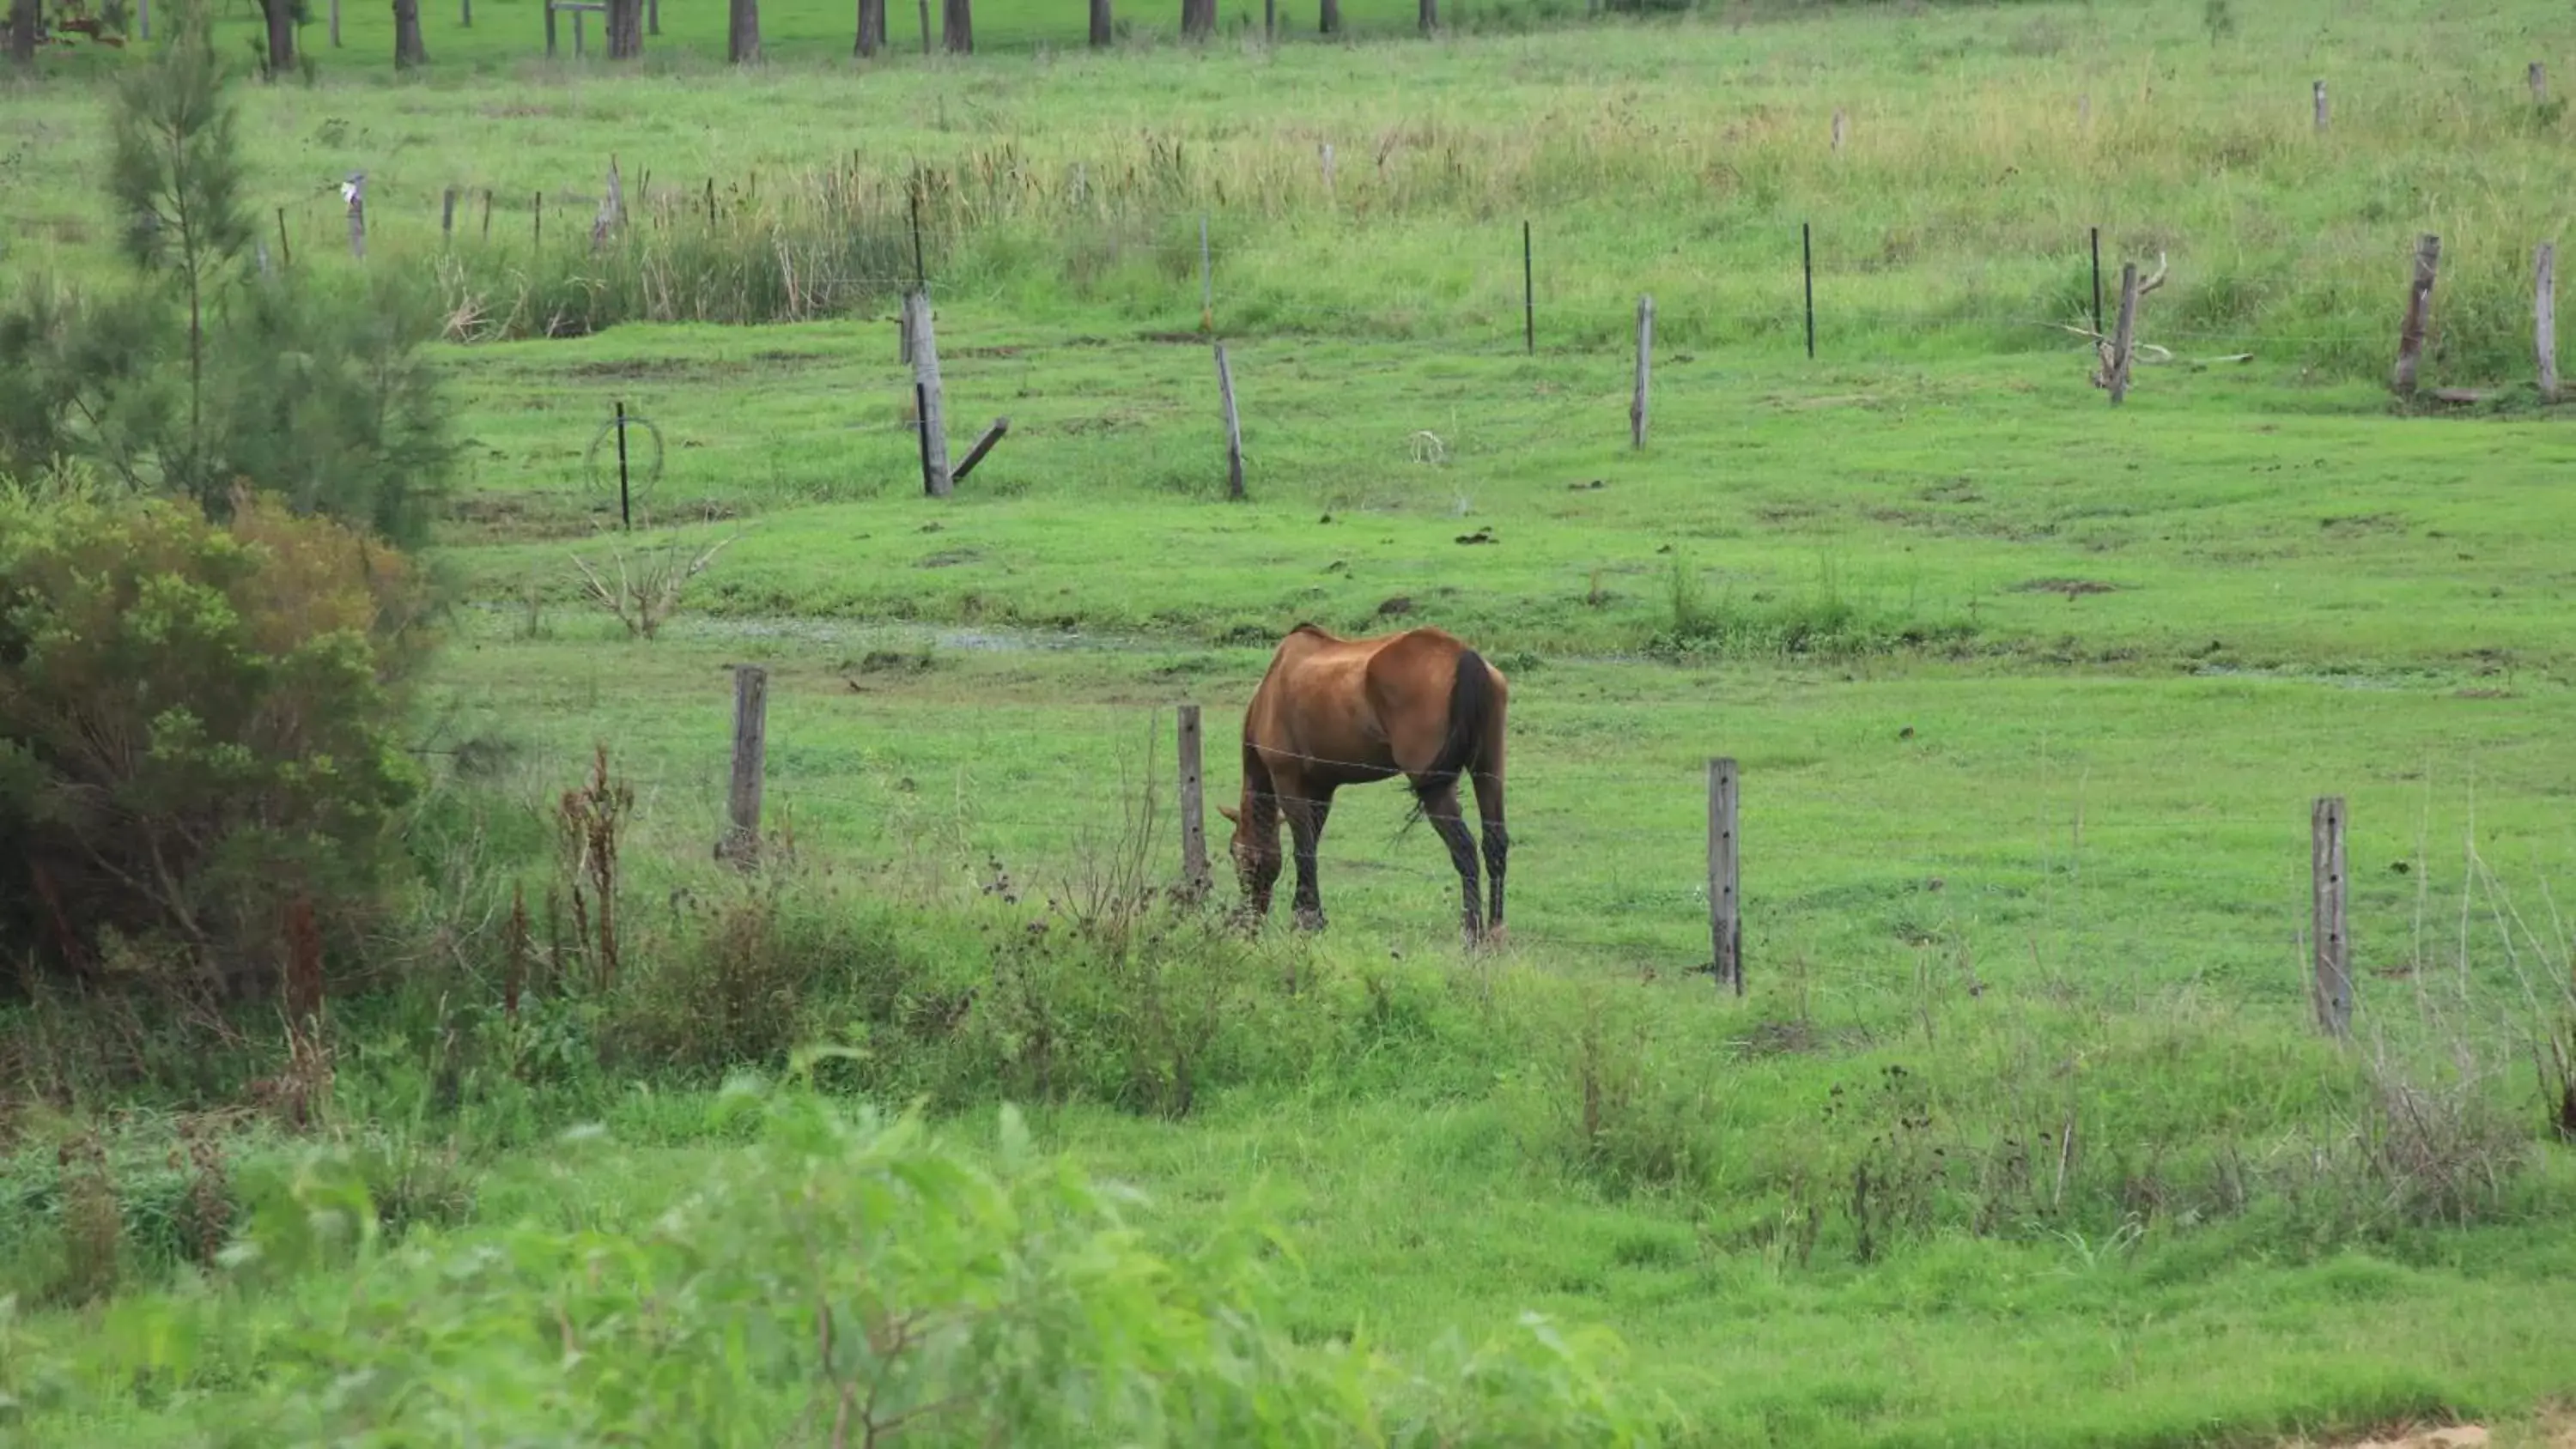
pixel 2031 695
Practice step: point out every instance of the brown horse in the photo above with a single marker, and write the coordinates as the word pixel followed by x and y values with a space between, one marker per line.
pixel 1334 712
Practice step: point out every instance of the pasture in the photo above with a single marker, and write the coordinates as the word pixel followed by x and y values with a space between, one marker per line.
pixel 2022 1132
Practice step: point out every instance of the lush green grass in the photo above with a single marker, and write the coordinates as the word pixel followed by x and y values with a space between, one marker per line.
pixel 2031 695
pixel 1677 157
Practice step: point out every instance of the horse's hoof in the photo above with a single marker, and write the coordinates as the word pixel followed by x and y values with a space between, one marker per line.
pixel 1494 939
pixel 1310 920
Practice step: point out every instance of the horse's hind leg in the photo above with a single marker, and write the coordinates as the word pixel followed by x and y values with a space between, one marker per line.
pixel 1498 841
pixel 1442 811
pixel 1306 819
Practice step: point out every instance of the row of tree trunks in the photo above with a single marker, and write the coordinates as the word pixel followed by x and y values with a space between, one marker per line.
pixel 742 34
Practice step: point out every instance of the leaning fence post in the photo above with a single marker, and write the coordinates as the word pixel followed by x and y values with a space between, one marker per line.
pixel 1194 856
pixel 1645 371
pixel 2419 313
pixel 1233 428
pixel 2333 986
pixel 1725 919
pixel 741 843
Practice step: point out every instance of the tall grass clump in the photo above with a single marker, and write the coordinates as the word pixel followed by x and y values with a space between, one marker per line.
pixel 1822 622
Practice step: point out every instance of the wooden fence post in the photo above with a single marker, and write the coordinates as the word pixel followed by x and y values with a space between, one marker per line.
pixel 1838 128
pixel 465 14
pixel 335 24
pixel 741 843
pixel 2317 95
pixel 447 217
pixel 2538 75
pixel 1725 918
pixel 2124 340
pixel 355 190
pixel 1645 371
pixel 1233 428
pixel 2544 317
pixel 550 29
pixel 2333 986
pixel 2419 312
pixel 1194 855
pixel 935 479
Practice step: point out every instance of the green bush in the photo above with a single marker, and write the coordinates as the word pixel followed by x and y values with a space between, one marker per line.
pixel 847 1279
pixel 196 730
pixel 209 368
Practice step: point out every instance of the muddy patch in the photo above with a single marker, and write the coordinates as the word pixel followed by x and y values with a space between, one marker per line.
pixel 2071 588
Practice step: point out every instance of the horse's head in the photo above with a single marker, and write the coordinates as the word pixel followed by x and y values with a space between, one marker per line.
pixel 1255 852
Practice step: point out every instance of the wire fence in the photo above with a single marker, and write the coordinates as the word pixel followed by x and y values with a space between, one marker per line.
pixel 2033 861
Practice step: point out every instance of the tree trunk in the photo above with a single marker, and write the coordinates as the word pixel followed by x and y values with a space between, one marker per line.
pixel 957 26
pixel 1328 17
pixel 1430 16
pixel 872 28
pixel 281 35
pixel 1198 19
pixel 22 30
pixel 409 52
pixel 625 29
pixel 1103 32
pixel 742 32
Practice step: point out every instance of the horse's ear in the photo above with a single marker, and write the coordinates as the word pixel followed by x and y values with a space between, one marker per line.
pixel 1228 812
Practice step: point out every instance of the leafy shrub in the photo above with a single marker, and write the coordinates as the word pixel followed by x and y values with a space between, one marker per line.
pixel 196 729
pixel 846 1280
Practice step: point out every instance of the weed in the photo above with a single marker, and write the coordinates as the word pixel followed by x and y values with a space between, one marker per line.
pixel 649 585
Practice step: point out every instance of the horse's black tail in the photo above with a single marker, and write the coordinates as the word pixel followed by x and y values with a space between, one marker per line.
pixel 1471 708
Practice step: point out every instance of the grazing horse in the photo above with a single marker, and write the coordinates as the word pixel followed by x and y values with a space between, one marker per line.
pixel 1334 712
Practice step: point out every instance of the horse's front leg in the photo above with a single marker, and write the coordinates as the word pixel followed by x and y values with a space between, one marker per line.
pixel 1306 830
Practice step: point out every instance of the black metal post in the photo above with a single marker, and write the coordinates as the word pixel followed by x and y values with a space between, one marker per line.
pixel 2097 281
pixel 1528 294
pixel 1807 257
pixel 921 410
pixel 625 508
pixel 920 277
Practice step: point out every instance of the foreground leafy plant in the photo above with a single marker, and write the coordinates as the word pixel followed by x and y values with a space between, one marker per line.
pixel 848 1280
